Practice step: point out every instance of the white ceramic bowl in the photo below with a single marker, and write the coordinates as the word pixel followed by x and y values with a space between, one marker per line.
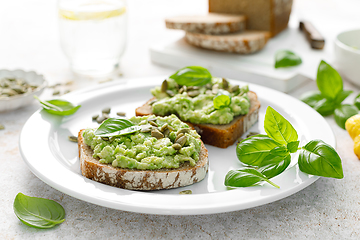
pixel 347 55
pixel 17 101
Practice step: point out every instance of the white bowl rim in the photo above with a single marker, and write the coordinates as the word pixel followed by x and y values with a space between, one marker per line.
pixel 345 46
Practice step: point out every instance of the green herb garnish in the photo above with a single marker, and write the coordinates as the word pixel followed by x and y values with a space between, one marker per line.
pixel 58 107
pixel 328 100
pixel 192 76
pixel 266 156
pixel 38 212
pixel 222 99
pixel 116 127
pixel 285 58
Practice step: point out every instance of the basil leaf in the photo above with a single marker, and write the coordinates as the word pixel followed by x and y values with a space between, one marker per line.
pixel 293 146
pixel 357 101
pixel 278 128
pixel 222 99
pixel 320 103
pixel 342 96
pixel 343 112
pixel 38 212
pixel 328 81
pixel 285 58
pixel 58 106
pixel 276 162
pixel 320 159
pixel 192 76
pixel 253 150
pixel 245 177
pixel 116 127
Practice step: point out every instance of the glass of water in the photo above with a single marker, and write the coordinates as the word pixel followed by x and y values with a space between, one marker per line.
pixel 93 34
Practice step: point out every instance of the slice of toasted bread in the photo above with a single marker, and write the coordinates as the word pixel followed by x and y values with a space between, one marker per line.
pixel 212 23
pixel 141 179
pixel 244 42
pixel 219 135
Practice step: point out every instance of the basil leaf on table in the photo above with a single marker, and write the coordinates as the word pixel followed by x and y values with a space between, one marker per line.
pixel 357 101
pixel 328 81
pixel 285 58
pixel 320 159
pixel 292 147
pixel 116 127
pixel 38 212
pixel 253 150
pixel 278 128
pixel 192 76
pixel 222 99
pixel 276 162
pixel 343 112
pixel 58 107
pixel 245 177
pixel 342 96
pixel 320 103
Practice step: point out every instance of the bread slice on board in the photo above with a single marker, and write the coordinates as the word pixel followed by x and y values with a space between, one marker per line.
pixel 141 179
pixel 244 42
pixel 224 135
pixel 212 23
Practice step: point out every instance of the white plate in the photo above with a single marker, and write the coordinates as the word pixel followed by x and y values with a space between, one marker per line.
pixel 49 154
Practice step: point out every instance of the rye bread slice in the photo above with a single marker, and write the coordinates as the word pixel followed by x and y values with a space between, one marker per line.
pixel 244 42
pixel 141 179
pixel 212 23
pixel 224 135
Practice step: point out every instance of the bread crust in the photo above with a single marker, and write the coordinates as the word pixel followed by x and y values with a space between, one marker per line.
pixel 135 179
pixel 224 135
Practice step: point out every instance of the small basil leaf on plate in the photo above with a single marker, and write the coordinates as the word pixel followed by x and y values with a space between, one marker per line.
pixel 320 159
pixel 276 162
pixel 38 212
pixel 285 58
pixel 192 76
pixel 251 151
pixel 342 96
pixel 58 107
pixel 321 104
pixel 343 112
pixel 245 177
pixel 292 147
pixel 116 127
pixel 328 81
pixel 222 99
pixel 357 101
pixel 278 128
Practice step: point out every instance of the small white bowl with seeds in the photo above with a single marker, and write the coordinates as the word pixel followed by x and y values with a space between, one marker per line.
pixel 17 88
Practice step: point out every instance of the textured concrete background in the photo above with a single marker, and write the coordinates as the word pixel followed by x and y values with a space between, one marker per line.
pixel 327 209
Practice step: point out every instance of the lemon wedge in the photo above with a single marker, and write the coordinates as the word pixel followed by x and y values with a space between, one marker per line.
pixel 76 16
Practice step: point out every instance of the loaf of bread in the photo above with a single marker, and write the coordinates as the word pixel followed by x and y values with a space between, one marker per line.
pixel 213 23
pixel 141 179
pixel 263 15
pixel 244 42
pixel 224 135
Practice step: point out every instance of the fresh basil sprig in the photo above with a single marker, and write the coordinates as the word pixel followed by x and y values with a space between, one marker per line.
pixel 192 76
pixel 328 100
pixel 357 101
pixel 58 107
pixel 116 127
pixel 286 58
pixel 38 212
pixel 269 155
pixel 222 99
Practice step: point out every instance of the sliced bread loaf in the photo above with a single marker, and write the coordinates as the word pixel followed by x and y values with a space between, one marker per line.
pixel 141 179
pixel 212 23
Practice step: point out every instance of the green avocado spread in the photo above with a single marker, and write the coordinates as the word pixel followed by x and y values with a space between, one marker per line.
pixel 162 142
pixel 195 103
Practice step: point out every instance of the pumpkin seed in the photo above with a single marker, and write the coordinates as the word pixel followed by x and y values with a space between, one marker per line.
pixel 145 128
pixel 100 119
pixel 105 138
pixel 18 89
pixel 234 88
pixel 9 92
pixel 67 91
pixel 73 139
pixel 121 114
pixel 176 146
pixel 152 119
pixel 106 116
pixel 225 83
pixel 208 86
pixel 170 93
pixel 106 110
pixel 164 127
pixel 152 102
pixel 184 130
pixel 181 90
pixel 153 123
pixel 2 127
pixel 193 88
pixel 94 117
pixel 156 134
pixel 143 122
pixel 166 132
pixel 56 92
pixel 186 192
pixel 252 134
pixel 193 93
pixel 182 140
pixel 239 140
pixel 164 86
pixel 171 128
pixel 178 136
